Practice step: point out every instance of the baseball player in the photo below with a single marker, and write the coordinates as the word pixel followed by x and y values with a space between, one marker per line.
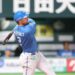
pixel 30 58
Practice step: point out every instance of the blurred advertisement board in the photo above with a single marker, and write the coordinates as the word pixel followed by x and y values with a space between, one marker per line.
pixel 12 65
pixel 38 8
pixel 57 64
pixel 71 65
pixel 44 31
pixel 66 38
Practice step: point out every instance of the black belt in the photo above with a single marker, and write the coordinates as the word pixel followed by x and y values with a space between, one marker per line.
pixel 33 53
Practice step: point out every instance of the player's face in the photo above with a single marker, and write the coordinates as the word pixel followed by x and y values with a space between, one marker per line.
pixel 66 46
pixel 7 53
pixel 23 21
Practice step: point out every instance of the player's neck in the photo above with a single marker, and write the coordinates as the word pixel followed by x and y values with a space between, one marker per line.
pixel 20 24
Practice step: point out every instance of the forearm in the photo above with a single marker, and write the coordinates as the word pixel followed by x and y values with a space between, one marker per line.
pixel 32 22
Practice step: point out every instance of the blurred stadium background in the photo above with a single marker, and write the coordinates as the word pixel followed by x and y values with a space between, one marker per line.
pixel 53 28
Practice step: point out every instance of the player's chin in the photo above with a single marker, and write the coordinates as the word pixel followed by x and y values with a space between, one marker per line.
pixel 25 23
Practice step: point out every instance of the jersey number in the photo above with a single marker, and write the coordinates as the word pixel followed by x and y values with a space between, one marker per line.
pixel 19 40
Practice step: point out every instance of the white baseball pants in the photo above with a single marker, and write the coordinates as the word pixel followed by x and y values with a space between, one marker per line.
pixel 30 62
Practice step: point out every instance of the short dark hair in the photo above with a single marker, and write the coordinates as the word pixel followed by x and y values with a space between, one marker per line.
pixel 66 42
